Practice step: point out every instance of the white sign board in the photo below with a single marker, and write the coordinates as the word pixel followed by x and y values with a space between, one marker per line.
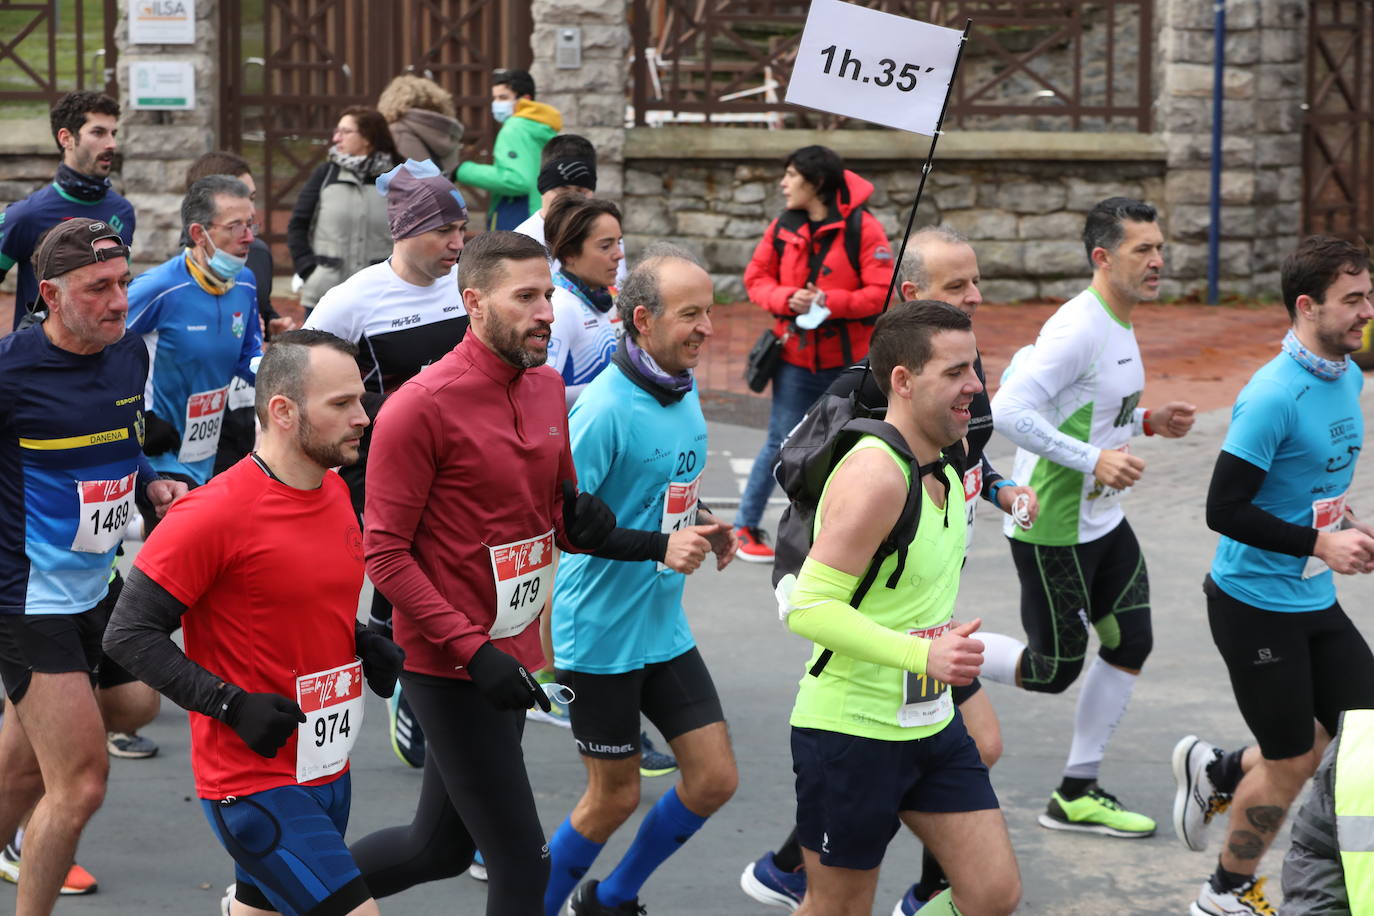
pixel 162 22
pixel 167 85
pixel 863 63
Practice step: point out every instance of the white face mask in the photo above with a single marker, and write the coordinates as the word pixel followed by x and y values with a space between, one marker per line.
pixel 500 110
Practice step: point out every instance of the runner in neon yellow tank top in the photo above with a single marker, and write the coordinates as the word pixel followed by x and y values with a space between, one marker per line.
pixel 1072 405
pixel 875 739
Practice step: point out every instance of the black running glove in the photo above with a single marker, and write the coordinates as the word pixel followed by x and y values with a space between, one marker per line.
pixel 504 681
pixel 382 660
pixel 158 435
pixel 263 720
pixel 587 521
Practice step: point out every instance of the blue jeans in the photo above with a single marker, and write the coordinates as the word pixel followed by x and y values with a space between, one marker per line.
pixel 794 391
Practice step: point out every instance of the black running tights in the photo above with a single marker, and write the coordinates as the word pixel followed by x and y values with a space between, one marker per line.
pixel 475 794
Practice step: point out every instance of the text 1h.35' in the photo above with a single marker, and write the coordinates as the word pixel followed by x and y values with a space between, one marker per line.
pixel 852 67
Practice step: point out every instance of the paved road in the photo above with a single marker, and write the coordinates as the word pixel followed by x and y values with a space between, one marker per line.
pixel 153 852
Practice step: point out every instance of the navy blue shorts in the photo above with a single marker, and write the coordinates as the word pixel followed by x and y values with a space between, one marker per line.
pixel 288 849
pixel 850 790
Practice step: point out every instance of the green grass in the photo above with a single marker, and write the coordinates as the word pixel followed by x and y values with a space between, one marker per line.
pixel 33 50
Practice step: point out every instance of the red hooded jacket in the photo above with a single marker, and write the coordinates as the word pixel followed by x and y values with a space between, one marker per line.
pixel 854 300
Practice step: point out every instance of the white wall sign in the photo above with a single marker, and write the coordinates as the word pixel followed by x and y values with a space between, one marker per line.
pixel 162 22
pixel 162 84
pixel 862 63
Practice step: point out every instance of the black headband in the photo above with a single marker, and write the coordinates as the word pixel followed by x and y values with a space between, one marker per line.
pixel 567 170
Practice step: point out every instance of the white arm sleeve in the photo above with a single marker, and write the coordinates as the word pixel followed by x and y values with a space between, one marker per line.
pixel 1060 357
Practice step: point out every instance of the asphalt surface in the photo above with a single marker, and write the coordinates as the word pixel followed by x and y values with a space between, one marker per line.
pixel 153 852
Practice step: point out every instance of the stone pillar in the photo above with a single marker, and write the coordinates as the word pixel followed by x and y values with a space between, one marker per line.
pixel 1264 87
pixel 158 146
pixel 592 97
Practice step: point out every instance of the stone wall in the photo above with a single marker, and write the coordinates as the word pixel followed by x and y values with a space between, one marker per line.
pixel 1264 87
pixel 159 146
pixel 1019 197
pixel 592 97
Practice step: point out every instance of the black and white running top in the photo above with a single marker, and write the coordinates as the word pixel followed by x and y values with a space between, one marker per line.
pixel 399 328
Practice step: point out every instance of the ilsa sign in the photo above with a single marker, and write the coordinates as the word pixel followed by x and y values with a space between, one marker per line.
pixel 862 63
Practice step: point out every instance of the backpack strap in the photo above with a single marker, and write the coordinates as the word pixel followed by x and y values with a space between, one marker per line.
pixel 899 538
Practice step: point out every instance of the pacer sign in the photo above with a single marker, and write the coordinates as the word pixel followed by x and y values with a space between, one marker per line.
pixel 863 63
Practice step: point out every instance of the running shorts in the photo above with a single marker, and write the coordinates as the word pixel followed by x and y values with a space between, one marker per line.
pixel 851 790
pixel 677 696
pixel 1288 668
pixel 288 848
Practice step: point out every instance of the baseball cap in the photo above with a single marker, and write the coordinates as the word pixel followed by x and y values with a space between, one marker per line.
pixel 70 245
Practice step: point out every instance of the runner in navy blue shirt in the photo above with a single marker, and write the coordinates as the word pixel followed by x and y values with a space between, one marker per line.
pixel 84 125
pixel 71 427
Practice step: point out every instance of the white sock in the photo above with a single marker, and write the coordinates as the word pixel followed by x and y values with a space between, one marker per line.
pixel 1001 657
pixel 1101 704
pixel 18 839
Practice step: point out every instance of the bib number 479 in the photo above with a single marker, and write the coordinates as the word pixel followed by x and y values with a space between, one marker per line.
pixel 524 593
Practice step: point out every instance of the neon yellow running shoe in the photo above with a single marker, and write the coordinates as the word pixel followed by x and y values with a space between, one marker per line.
pixel 1095 811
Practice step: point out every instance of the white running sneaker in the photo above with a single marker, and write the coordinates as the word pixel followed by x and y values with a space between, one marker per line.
pixel 1246 900
pixel 1197 800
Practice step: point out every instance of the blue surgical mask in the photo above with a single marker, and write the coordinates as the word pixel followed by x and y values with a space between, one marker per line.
pixel 223 264
pixel 500 110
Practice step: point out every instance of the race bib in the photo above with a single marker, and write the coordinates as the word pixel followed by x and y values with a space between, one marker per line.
pixel 204 419
pixel 1327 515
pixel 925 701
pixel 679 506
pixel 973 488
pixel 240 394
pixel 524 574
pixel 1103 499
pixel 333 705
pixel 106 507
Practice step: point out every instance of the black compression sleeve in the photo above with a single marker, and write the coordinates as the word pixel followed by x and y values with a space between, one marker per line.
pixel 139 637
pixel 631 545
pixel 1231 511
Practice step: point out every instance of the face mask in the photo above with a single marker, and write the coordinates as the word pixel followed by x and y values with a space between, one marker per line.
pixel 223 264
pixel 502 110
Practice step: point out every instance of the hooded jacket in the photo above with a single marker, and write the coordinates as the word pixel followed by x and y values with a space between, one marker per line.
pixel 513 177
pixel 854 299
pixel 338 227
pixel 422 134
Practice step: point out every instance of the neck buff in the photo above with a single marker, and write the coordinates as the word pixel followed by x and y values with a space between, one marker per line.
pixel 1323 368
pixel 207 279
pixel 599 299
pixel 675 385
pixel 82 187
pixel 367 167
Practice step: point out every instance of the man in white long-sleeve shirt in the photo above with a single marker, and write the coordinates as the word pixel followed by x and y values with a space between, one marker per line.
pixel 1071 404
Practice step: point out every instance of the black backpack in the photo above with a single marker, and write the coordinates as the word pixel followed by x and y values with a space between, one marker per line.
pixel 808 456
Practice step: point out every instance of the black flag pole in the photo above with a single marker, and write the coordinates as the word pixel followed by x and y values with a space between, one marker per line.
pixel 925 169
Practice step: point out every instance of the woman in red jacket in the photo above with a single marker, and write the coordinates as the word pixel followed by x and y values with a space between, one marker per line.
pixel 825 257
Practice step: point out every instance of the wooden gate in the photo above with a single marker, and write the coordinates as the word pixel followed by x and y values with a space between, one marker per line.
pixel 49 49
pixel 288 67
pixel 1338 134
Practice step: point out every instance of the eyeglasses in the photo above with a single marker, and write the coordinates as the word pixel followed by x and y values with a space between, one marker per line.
pixel 237 227
pixel 345 130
